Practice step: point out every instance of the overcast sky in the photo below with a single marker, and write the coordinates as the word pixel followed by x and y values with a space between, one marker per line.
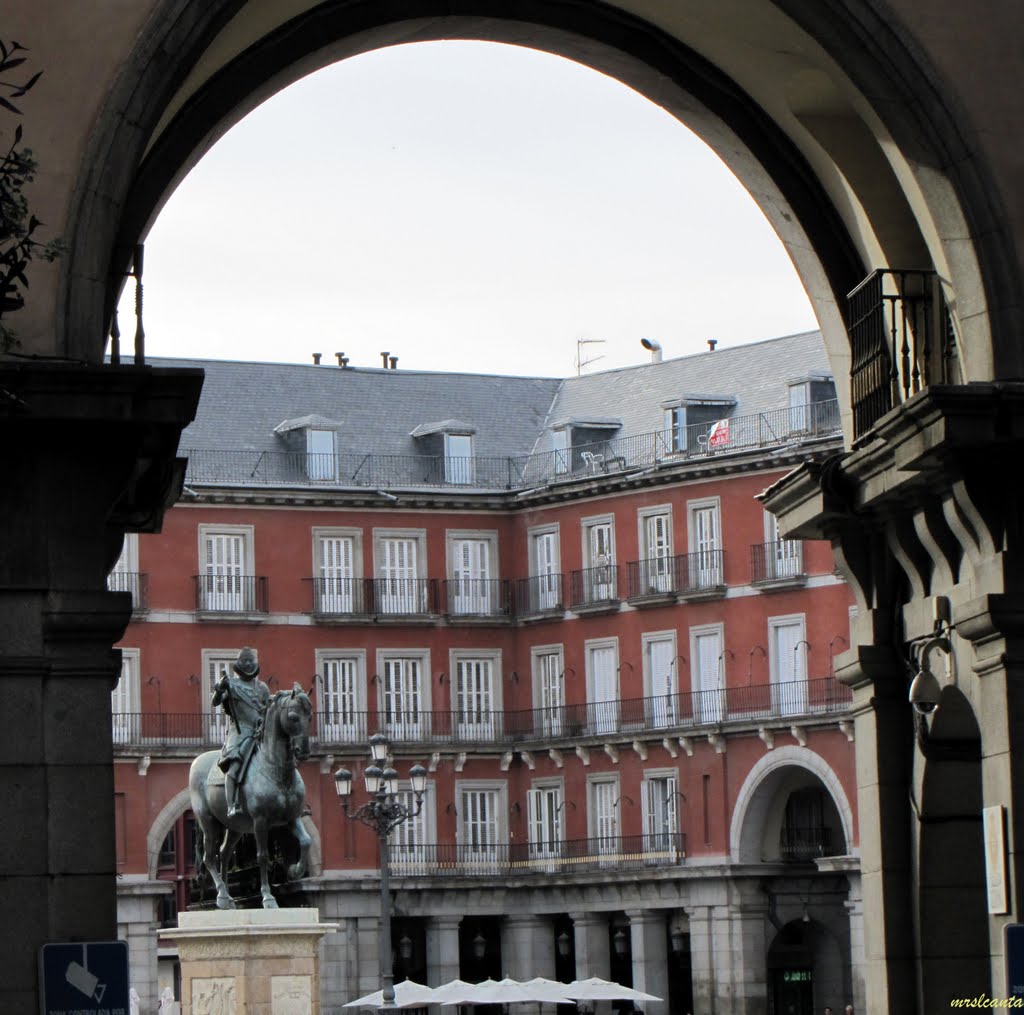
pixel 464 206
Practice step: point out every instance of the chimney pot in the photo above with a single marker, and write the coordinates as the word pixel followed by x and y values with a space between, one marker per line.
pixel 340 356
pixel 316 358
pixel 712 342
pixel 394 362
pixel 384 358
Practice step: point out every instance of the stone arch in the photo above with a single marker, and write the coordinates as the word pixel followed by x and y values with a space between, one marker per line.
pixel 190 78
pixel 756 794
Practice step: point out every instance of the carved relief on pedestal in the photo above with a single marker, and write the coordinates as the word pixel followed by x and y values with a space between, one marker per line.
pixel 214 996
pixel 291 995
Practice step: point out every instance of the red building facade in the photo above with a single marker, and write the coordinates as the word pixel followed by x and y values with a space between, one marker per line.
pixel 616 672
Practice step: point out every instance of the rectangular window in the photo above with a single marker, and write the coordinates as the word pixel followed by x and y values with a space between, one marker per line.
pixel 599 583
pixel 560 450
pixel 475 709
pixel 675 428
pixel 660 817
pixel 603 815
pixel 549 688
pixel 660 678
pixel 799 406
pixel 226 582
pixel 216 664
pixel 401 565
pixel 125 702
pixel 656 551
pixel 412 841
pixel 337 585
pixel 402 694
pixel 124 577
pixel 603 685
pixel 481 826
pixel 320 460
pixel 342 717
pixel 544 822
pixel 546 591
pixel 458 458
pixel 471 589
pixel 706 652
pixel 705 545
pixel 787 660
pixel 783 557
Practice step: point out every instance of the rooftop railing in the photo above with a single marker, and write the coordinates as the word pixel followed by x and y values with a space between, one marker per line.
pixel 466 726
pixel 239 467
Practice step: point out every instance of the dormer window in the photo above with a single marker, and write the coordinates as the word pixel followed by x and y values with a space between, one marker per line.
pixel 690 419
pixel 449 444
pixel 312 441
pixel 458 458
pixel 320 460
pixel 560 448
pixel 804 395
pixel 675 428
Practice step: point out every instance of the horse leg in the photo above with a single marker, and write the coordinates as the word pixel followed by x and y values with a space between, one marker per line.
pixel 297 870
pixel 209 829
pixel 226 852
pixel 260 830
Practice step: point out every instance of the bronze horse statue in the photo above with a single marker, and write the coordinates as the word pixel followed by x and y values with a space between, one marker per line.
pixel 272 795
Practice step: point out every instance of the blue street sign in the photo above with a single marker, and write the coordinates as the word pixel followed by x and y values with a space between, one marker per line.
pixel 84 978
pixel 1015 960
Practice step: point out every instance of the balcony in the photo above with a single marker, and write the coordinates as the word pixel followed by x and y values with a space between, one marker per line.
pixel 405 598
pixel 168 729
pixel 539 597
pixel 478 599
pixel 652 582
pixel 134 582
pixel 701 575
pixel 230 595
pixel 779 564
pixel 519 859
pixel 803 845
pixel 339 598
pixel 594 589
pixel 764 430
pixel 901 337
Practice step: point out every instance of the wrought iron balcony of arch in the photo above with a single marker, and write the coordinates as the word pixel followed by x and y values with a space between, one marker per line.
pixel 901 339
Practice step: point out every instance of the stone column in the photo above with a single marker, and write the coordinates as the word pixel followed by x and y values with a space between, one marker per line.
pixel 590 931
pixel 136 924
pixel 855 910
pixel 442 949
pixel 740 951
pixel 368 946
pixel 702 960
pixel 528 947
pixel 648 935
pixel 88 453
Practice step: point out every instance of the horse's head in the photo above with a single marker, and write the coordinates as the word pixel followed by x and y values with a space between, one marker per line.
pixel 293 713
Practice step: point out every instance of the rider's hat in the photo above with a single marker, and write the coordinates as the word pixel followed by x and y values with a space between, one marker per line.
pixel 247 664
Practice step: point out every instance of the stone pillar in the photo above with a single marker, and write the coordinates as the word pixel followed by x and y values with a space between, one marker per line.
pixel 137 924
pixel 368 946
pixel 590 931
pixel 528 947
pixel 855 911
pixel 442 949
pixel 88 452
pixel 648 935
pixel 257 961
pixel 739 930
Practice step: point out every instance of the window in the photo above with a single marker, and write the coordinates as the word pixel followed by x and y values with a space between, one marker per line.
pixel 320 460
pixel 599 584
pixel 217 663
pixel 404 694
pixel 659 657
pixel 125 574
pixel 401 562
pixel 482 832
pixel 471 590
pixel 124 699
pixel 458 458
pixel 342 714
pixel 706 653
pixel 546 584
pixel 476 694
pixel 549 687
pixel 544 821
pixel 226 582
pixel 660 816
pixel 412 840
pixel 783 557
pixel 603 684
pixel 603 813
pixel 705 545
pixel 560 450
pixel 337 560
pixel 799 406
pixel 675 428
pixel 656 551
pixel 787 661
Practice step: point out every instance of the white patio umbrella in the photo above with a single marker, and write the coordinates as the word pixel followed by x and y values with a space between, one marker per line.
pixel 408 994
pixel 505 991
pixel 596 989
pixel 453 992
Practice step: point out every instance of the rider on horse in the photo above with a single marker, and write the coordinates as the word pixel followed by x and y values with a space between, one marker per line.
pixel 244 698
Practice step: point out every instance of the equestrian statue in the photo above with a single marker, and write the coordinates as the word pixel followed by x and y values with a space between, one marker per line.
pixel 252 784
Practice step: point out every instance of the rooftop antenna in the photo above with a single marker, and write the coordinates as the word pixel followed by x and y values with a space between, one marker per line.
pixel 580 361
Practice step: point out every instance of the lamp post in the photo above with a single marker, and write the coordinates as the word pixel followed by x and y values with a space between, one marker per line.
pixel 382 812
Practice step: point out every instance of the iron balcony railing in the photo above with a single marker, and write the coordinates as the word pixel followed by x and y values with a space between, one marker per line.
pixel 239 467
pixel 478 597
pixel 231 593
pixel 703 571
pixel 131 581
pixel 803 844
pixel 538 595
pixel 656 576
pixel 594 585
pixel 341 597
pixel 168 729
pixel 661 849
pixel 901 338
pixel 405 597
pixel 776 561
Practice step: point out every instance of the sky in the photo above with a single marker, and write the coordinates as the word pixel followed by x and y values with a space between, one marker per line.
pixel 464 206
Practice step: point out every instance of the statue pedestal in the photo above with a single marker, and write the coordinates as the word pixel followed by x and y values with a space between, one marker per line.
pixel 256 961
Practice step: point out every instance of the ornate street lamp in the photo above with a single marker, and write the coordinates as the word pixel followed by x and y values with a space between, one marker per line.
pixel 382 812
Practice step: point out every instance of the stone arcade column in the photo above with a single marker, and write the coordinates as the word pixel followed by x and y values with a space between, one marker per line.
pixel 442 949
pixel 590 933
pixel 648 938
pixel 922 516
pixel 528 947
pixel 88 452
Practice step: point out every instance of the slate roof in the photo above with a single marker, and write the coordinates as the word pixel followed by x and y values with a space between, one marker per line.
pixel 379 410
